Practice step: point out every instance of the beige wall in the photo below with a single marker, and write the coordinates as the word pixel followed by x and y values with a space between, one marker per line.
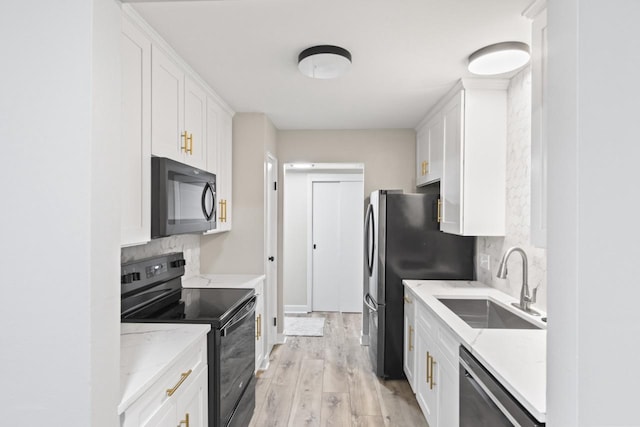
pixel 388 156
pixel 241 250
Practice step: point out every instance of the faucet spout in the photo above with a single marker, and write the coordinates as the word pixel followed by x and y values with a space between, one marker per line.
pixel 526 297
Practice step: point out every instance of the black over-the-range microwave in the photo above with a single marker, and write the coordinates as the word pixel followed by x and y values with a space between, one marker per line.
pixel 183 198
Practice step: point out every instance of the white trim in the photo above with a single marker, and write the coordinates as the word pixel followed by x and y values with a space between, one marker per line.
pixel 296 309
pixel 282 339
pixel 534 9
pixel 342 167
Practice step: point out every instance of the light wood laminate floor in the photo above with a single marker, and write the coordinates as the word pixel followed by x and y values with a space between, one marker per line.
pixel 328 381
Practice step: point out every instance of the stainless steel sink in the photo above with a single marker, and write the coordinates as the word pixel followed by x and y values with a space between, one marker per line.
pixel 486 314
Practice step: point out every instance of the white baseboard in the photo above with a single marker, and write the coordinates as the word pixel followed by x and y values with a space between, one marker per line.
pixel 281 339
pixel 296 309
pixel 364 339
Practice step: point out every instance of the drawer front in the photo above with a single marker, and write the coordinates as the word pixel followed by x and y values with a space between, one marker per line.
pixel 426 319
pixel 175 378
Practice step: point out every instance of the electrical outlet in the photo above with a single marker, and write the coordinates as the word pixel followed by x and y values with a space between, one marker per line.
pixel 485 261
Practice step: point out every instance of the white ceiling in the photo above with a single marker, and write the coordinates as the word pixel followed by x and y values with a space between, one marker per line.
pixel 406 53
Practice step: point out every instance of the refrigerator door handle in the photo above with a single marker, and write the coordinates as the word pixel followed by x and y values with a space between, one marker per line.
pixel 370 238
pixel 369 302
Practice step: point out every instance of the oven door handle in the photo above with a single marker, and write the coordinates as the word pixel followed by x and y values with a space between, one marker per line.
pixel 368 301
pixel 247 310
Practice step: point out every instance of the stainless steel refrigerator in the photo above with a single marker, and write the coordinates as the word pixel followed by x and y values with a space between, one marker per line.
pixel 403 241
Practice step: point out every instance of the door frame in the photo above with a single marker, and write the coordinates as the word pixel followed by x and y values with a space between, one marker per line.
pixel 329 176
pixel 270 290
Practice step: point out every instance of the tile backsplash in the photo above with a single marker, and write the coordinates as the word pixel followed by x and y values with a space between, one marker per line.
pixel 518 204
pixel 187 243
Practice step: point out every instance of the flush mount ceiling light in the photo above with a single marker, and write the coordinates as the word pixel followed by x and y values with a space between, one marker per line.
pixel 499 58
pixel 324 62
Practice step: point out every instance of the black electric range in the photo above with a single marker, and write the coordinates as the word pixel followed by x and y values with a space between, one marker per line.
pixel 151 291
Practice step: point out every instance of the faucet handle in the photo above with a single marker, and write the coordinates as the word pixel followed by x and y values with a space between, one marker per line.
pixel 534 294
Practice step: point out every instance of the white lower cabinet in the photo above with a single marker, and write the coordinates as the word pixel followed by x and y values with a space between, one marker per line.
pixel 178 397
pixel 436 370
pixel 409 357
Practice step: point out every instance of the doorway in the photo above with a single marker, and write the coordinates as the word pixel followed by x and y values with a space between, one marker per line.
pixel 271 249
pixel 323 220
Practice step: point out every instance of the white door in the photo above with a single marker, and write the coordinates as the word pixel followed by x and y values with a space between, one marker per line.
pixel 271 288
pixel 326 246
pixel 350 238
pixel 195 122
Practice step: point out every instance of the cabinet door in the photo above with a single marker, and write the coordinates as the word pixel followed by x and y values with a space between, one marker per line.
pixel 135 172
pixel 436 147
pixel 259 335
pixel 451 188
pixel 225 171
pixel 213 140
pixel 195 120
pixel 425 392
pixel 447 389
pixel 193 403
pixel 422 155
pixel 167 107
pixel 409 339
pixel 164 416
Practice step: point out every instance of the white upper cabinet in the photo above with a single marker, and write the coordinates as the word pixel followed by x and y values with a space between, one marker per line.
pixel 167 106
pixel 467 134
pixel 429 146
pixel 538 13
pixel 219 160
pixel 195 123
pixel 135 172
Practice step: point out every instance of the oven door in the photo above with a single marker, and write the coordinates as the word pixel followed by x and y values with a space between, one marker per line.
pixel 183 199
pixel 237 360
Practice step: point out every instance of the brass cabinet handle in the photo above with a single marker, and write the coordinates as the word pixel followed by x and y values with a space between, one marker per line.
pixel 225 210
pixel 410 338
pixel 185 421
pixel 428 379
pixel 439 210
pixel 426 167
pixel 185 146
pixel 407 300
pixel 190 139
pixel 431 382
pixel 257 330
pixel 183 377
pixel 259 325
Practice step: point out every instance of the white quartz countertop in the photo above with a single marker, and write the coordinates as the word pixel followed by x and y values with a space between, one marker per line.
pixel 516 357
pixel 240 281
pixel 147 350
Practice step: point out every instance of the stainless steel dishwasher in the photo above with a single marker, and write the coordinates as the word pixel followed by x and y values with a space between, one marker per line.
pixel 484 402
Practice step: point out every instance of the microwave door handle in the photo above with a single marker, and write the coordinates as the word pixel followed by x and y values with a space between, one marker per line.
pixel 207 215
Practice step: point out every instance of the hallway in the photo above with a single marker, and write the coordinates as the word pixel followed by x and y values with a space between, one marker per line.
pixel 328 381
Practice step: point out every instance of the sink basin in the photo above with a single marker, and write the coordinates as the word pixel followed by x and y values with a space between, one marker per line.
pixel 486 314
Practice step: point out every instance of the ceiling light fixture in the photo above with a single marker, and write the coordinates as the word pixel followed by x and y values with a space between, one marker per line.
pixel 499 58
pixel 324 62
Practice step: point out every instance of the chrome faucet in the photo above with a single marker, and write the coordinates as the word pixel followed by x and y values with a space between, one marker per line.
pixel 526 297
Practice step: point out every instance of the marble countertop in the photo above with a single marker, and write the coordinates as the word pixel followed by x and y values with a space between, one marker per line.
pixel 516 357
pixel 240 281
pixel 147 350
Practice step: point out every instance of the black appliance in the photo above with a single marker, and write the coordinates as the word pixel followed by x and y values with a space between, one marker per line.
pixel 183 198
pixel 151 291
pixel 403 241
pixel 484 402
